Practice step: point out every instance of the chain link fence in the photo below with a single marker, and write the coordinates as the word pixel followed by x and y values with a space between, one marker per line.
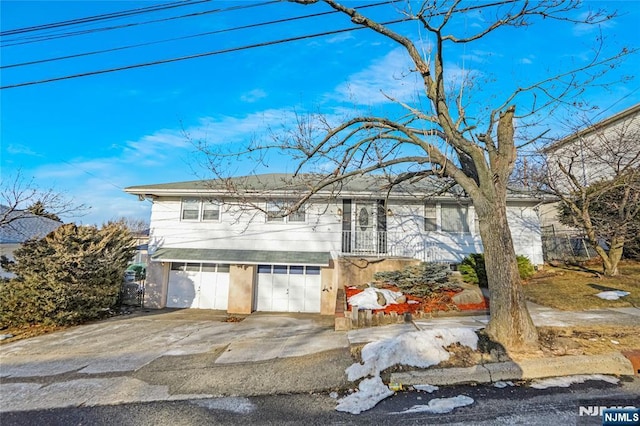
pixel 565 245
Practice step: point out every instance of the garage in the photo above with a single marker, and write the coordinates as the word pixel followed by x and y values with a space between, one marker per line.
pixel 198 285
pixel 288 288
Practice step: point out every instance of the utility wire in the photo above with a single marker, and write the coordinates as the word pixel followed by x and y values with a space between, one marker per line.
pixel 35 39
pixel 131 46
pixel 235 49
pixel 106 16
pixel 243 27
pixel 198 55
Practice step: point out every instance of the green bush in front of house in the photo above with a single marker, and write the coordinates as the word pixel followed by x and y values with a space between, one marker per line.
pixel 71 276
pixel 473 270
pixel 418 280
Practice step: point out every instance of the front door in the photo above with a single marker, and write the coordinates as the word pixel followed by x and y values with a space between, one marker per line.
pixel 370 227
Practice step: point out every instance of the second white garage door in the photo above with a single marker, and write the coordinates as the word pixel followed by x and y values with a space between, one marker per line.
pixel 198 285
pixel 283 288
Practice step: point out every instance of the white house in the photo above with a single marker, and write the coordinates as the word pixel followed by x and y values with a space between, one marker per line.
pixel 597 152
pixel 226 244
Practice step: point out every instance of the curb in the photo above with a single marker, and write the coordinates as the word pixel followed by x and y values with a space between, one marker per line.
pixel 613 363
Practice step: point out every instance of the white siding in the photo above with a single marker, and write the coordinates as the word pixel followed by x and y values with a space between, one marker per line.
pixel 408 238
pixel 244 229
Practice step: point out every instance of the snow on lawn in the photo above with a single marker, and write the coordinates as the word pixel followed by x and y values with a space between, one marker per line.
pixel 439 405
pixel 565 382
pixel 612 295
pixel 368 298
pixel 371 391
pixel 417 349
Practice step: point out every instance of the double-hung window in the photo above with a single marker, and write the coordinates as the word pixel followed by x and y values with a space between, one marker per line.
pixel 277 212
pixel 197 209
pixel 454 218
pixel 430 217
pixel 210 210
pixel 297 216
pixel 190 209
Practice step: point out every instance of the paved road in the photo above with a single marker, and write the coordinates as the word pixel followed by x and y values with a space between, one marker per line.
pixel 190 354
pixel 492 406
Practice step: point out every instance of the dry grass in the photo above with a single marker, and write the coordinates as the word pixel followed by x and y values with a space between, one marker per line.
pixel 27 332
pixel 574 288
pixel 590 340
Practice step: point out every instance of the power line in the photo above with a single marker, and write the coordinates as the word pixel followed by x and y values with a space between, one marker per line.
pixel 235 49
pixel 243 27
pixel 198 55
pixel 101 17
pixel 260 24
pixel 49 37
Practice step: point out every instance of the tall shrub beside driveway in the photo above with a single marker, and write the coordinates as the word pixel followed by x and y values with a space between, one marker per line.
pixel 72 275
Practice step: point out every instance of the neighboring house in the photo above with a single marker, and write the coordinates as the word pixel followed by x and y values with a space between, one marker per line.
pixel 213 246
pixel 23 226
pixel 141 239
pixel 594 153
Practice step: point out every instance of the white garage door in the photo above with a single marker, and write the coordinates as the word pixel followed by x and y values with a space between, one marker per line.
pixel 198 285
pixel 284 288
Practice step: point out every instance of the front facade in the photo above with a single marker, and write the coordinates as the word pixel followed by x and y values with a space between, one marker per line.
pixel 215 248
pixel 598 152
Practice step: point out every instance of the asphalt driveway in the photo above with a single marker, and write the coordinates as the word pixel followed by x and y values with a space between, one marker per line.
pixel 128 343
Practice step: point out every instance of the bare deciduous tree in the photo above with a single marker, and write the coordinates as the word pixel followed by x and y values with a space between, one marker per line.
pixel 135 225
pixel 596 176
pixel 21 197
pixel 435 137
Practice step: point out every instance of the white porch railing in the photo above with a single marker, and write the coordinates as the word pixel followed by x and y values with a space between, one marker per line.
pixel 390 244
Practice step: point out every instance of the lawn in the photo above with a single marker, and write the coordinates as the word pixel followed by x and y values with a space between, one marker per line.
pixel 573 288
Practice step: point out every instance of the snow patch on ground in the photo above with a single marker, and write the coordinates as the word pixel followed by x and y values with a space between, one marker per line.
pixel 233 404
pixel 368 298
pixel 417 349
pixel 501 384
pixel 426 388
pixel 439 405
pixel 371 391
pixel 565 382
pixel 612 295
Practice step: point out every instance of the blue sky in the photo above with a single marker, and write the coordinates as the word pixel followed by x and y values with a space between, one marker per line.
pixel 91 137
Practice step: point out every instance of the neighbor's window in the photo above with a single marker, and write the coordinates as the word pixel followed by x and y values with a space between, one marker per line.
pixel 430 218
pixel 454 218
pixel 210 210
pixel 190 209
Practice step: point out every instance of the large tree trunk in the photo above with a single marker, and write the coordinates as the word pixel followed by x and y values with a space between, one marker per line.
pixel 611 259
pixel 510 323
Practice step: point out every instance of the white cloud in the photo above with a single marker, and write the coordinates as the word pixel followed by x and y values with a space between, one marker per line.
pixel 18 149
pixel 387 75
pixel 253 95
pixel 580 30
pixel 479 56
pixel 339 38
pixel 391 75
